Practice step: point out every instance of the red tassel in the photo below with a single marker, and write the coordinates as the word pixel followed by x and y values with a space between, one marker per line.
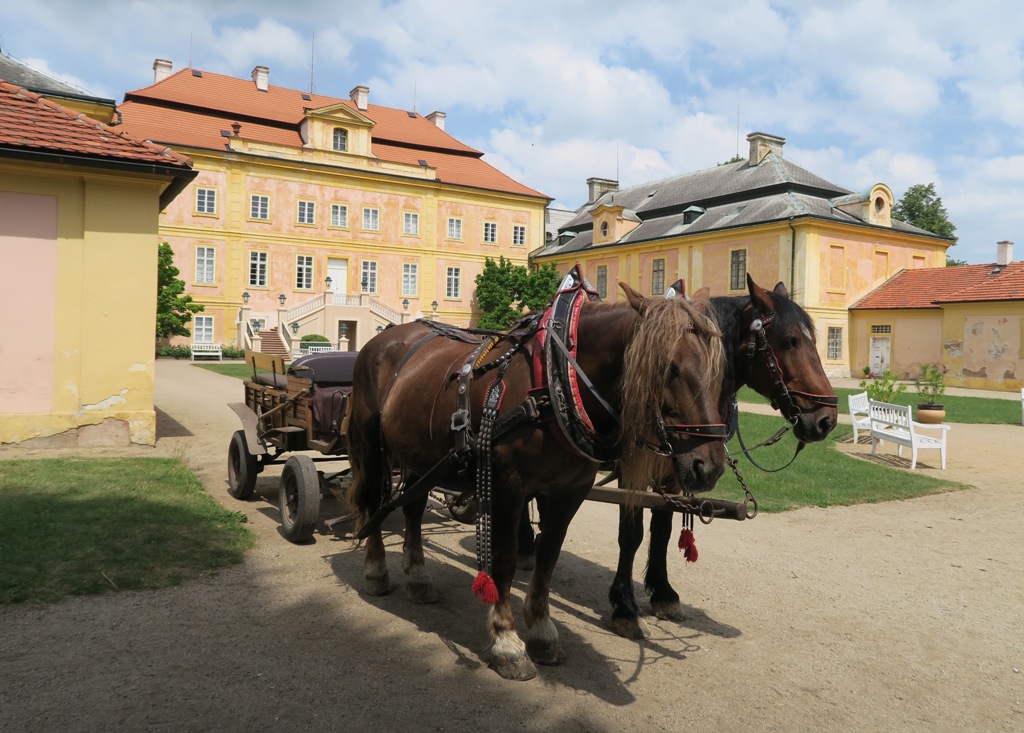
pixel 688 545
pixel 484 588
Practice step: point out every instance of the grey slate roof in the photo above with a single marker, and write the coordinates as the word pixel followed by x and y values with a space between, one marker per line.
pixel 23 75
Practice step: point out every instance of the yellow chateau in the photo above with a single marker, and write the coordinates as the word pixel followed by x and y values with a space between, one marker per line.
pixel 763 215
pixel 313 214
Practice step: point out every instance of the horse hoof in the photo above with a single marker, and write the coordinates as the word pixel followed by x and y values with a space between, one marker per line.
pixel 668 610
pixel 378 586
pixel 630 628
pixel 421 592
pixel 524 562
pixel 545 652
pixel 518 668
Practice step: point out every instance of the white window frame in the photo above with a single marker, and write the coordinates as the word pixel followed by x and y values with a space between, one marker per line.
pixel 658 276
pixel 305 212
pixel 454 227
pixel 835 343
pixel 206 265
pixel 411 223
pixel 410 279
pixel 339 216
pixel 304 272
pixel 453 283
pixel 371 219
pixel 369 274
pixel 202 329
pixel 259 207
pixel 490 232
pixel 518 235
pixel 339 140
pixel 261 261
pixel 206 201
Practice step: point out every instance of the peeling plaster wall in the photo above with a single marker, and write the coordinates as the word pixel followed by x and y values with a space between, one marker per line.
pixel 983 345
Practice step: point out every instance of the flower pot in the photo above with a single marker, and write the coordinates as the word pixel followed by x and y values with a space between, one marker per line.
pixel 931 414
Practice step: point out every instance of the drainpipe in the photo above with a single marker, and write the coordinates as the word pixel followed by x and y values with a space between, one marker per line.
pixel 792 255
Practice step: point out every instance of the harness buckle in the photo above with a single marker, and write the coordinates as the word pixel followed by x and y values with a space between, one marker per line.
pixel 460 420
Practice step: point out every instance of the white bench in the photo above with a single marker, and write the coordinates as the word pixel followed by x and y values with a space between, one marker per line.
pixel 894 424
pixel 207 350
pixel 859 413
pixel 317 348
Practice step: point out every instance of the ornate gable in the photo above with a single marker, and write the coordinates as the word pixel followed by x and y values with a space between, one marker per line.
pixel 337 128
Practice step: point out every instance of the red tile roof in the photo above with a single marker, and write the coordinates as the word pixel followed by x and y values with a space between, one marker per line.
pixel 30 123
pixel 190 110
pixel 927 287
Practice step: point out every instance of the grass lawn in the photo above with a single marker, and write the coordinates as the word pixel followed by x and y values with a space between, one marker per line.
pixel 820 476
pixel 239 371
pixel 74 526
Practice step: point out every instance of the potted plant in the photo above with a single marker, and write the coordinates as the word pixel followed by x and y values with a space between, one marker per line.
pixel 884 388
pixel 930 385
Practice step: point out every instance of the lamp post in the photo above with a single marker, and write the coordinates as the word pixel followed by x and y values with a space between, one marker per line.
pixel 343 341
pixel 405 304
pixel 433 311
pixel 281 299
pixel 295 328
pixel 245 298
pixel 380 329
pixel 327 284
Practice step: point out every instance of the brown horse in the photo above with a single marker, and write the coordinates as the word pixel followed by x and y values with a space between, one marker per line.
pixel 769 345
pixel 652 370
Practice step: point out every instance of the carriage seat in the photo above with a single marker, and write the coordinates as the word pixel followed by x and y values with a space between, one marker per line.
pixel 277 381
pixel 327 369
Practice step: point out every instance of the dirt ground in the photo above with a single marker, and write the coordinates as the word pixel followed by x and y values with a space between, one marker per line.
pixel 903 616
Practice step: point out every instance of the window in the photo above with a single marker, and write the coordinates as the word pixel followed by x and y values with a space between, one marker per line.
pixel 205 259
pixel 602 281
pixel 658 277
pixel 519 235
pixel 454 228
pixel 369 279
pixel 339 215
pixel 371 220
pixel 304 272
pixel 340 142
pixel 307 212
pixel 490 232
pixel 259 207
pixel 410 279
pixel 453 284
pixel 835 343
pixel 604 229
pixel 738 270
pixel 202 329
pixel 881 329
pixel 258 269
pixel 411 225
pixel 206 201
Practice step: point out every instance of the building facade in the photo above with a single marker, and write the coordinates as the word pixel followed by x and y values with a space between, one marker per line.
pixel 313 214
pixel 763 215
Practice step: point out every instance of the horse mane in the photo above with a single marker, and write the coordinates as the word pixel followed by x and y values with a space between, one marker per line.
pixel 646 367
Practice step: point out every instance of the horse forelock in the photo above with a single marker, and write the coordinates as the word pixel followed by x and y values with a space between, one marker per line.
pixel 789 315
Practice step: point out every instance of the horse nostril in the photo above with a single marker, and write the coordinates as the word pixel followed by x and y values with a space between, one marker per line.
pixel 826 423
pixel 698 469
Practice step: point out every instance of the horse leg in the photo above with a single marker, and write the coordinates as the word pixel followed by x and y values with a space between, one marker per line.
pixel 419 587
pixel 664 599
pixel 375 568
pixel 541 635
pixel 369 484
pixel 625 611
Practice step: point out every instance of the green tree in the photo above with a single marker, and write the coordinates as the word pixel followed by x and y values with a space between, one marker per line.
pixel 173 308
pixel 505 290
pixel 923 208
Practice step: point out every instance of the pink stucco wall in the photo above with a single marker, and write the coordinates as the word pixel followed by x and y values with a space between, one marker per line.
pixel 28 284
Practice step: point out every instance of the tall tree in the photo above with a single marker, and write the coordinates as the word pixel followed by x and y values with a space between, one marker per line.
pixel 173 308
pixel 923 208
pixel 504 290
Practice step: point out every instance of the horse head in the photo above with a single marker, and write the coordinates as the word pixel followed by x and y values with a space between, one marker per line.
pixel 673 370
pixel 784 365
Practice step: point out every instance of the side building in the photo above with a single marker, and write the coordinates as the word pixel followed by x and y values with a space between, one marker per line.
pixel 313 214
pixel 763 215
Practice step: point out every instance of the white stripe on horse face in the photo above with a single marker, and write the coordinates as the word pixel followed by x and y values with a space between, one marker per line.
pixel 807 333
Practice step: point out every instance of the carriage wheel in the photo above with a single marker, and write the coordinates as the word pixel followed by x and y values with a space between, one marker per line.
pixel 463 508
pixel 242 468
pixel 299 498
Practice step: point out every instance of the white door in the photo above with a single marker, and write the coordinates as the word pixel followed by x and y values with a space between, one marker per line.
pixel 337 270
pixel 880 348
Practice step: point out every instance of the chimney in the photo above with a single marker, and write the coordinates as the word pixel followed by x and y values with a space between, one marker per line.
pixel 261 75
pixel 161 70
pixel 359 95
pixel 1004 253
pixel 437 118
pixel 761 143
pixel 598 187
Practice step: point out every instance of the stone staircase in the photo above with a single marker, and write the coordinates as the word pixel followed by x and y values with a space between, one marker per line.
pixel 271 343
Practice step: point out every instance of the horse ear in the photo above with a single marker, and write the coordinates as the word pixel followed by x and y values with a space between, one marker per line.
pixel 759 297
pixel 780 289
pixel 703 294
pixel 635 299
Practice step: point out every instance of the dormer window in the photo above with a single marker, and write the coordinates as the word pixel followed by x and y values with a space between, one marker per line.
pixel 691 214
pixel 340 139
pixel 604 229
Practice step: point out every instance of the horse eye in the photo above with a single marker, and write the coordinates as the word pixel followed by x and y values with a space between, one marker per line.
pixel 791 342
pixel 673 370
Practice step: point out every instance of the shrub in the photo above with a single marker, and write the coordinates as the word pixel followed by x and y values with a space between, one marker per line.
pixel 174 352
pixel 930 384
pixel 886 388
pixel 315 337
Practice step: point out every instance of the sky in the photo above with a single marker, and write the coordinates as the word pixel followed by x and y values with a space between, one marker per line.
pixel 554 92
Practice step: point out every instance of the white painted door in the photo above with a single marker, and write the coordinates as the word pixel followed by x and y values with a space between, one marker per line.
pixel 337 270
pixel 880 353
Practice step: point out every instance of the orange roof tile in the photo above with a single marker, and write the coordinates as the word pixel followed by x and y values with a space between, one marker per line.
pixel 927 287
pixel 191 108
pixel 32 124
